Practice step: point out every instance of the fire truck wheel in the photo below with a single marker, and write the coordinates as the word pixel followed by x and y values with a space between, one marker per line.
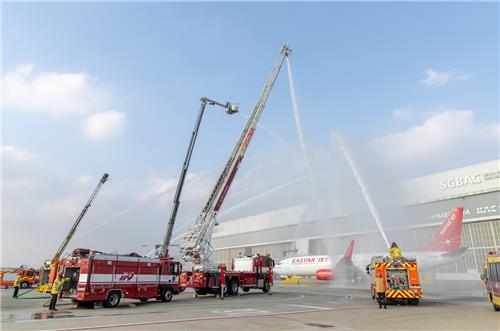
pixel 166 294
pixel 266 287
pixel 24 285
pixel 413 302
pixel 234 285
pixel 495 307
pixel 246 289
pixel 112 301
pixel 143 299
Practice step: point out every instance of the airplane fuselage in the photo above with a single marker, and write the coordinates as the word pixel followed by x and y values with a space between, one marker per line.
pixel 309 265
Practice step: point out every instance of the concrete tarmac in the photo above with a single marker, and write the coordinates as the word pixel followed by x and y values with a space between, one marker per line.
pixel 304 307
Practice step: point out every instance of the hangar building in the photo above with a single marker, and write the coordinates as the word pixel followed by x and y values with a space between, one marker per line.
pixel 428 201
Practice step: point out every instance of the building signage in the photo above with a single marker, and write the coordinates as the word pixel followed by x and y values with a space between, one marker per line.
pixel 476 178
pixel 453 182
pixel 471 212
pixel 479 178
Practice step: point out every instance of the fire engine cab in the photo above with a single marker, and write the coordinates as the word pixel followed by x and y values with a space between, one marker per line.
pixel 108 278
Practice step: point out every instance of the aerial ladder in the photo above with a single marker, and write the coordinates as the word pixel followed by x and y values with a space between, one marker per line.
pixel 230 109
pixel 48 271
pixel 196 245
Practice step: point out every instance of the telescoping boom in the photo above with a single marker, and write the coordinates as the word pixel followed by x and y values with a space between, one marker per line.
pixel 230 108
pixel 54 262
pixel 72 231
pixel 196 247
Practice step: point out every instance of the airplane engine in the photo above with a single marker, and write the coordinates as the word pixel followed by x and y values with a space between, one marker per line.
pixel 325 274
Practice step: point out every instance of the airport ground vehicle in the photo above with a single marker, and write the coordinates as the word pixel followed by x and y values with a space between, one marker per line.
pixel 103 277
pixel 491 278
pixel 49 270
pixel 107 278
pixel 401 279
pixel 249 272
pixel 206 276
pixel 28 277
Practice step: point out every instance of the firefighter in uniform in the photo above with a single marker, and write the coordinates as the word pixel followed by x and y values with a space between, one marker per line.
pixel 17 282
pixel 380 290
pixel 394 251
pixel 56 290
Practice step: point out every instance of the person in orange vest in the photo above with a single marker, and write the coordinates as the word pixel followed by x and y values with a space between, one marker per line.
pixel 17 283
pixel 56 290
pixel 380 290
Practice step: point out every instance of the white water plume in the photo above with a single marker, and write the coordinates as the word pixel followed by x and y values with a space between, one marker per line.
pixel 300 132
pixel 366 195
pixel 270 132
pixel 316 204
pixel 258 196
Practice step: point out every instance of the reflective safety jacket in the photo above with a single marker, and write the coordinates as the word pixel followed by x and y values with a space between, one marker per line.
pixel 395 252
pixel 58 285
pixel 17 281
pixel 379 285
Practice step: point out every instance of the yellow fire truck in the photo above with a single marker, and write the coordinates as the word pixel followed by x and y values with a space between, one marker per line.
pixel 491 278
pixel 401 279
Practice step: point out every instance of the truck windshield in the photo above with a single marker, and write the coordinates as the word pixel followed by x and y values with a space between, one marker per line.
pixel 494 272
pixel 172 268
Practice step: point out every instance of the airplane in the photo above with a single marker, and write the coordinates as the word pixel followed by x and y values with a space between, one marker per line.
pixel 444 248
pixel 322 267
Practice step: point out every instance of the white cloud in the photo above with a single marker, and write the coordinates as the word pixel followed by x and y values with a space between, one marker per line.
pixel 439 135
pixel 18 153
pixel 61 209
pixel 196 186
pixel 440 78
pixel 55 93
pixel 158 186
pixel 403 113
pixel 84 180
pixel 19 165
pixel 104 125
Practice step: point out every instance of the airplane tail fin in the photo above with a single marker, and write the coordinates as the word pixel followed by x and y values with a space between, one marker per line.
pixel 449 236
pixel 347 258
pixel 350 249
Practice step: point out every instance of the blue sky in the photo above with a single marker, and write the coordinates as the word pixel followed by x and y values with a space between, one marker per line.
pixel 360 69
pixel 354 64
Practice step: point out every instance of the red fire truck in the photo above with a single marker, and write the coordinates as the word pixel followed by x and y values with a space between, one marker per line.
pixel 108 278
pixel 246 272
pixel 98 277
pixel 209 277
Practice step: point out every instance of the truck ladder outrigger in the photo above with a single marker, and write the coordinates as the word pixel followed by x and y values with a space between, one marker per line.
pixel 196 245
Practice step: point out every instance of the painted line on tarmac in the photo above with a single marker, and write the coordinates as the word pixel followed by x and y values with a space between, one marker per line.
pixel 306 306
pixel 109 326
pixel 243 311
